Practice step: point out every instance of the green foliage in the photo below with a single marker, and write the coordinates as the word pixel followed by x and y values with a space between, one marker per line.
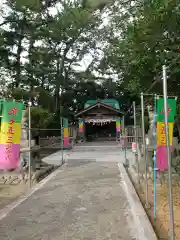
pixel 19 94
pixel 40 118
pixel 42 53
pixel 149 39
pixel 30 4
pixel 176 164
pixel 96 4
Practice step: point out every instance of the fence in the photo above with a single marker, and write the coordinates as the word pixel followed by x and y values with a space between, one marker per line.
pixel 131 131
pixel 131 139
pixel 38 143
pixel 129 136
pixel 47 144
pixel 34 149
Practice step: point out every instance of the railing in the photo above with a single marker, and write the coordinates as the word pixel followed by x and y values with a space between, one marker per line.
pixel 127 141
pixel 32 162
pixel 54 140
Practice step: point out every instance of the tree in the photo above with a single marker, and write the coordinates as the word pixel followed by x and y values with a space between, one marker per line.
pixel 41 52
pixel 148 38
pixel 147 41
pixel 40 119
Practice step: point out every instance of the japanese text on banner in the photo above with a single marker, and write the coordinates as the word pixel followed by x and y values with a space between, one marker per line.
pixel 171 110
pixel 161 133
pixel 10 133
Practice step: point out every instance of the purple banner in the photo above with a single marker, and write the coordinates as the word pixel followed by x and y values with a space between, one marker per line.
pixel 66 141
pixel 10 160
pixel 118 129
pixel 162 159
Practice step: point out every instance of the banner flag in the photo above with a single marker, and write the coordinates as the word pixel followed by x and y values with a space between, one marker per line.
pixel 162 158
pixel 171 110
pixel 10 134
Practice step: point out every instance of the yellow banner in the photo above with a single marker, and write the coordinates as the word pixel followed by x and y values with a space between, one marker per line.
pixel 66 132
pixel 161 133
pixel 81 125
pixel 10 133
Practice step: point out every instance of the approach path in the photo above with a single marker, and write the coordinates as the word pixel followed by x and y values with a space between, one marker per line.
pixel 84 200
pixel 92 151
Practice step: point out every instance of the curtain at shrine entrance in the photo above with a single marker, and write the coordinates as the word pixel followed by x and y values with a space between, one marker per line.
pixel 96 131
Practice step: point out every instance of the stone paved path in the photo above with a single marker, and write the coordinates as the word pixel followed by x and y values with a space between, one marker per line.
pixel 93 151
pixel 85 201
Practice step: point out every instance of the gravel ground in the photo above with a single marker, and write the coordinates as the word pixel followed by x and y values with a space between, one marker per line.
pixel 9 193
pixel 161 223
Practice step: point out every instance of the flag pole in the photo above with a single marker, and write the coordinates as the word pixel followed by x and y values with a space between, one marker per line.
pixel 171 211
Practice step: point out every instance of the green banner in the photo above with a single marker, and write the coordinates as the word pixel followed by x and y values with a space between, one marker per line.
pixel 65 122
pixel 171 110
pixel 12 110
pixel 1 107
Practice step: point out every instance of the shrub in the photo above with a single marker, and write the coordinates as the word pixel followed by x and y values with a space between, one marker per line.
pixel 40 118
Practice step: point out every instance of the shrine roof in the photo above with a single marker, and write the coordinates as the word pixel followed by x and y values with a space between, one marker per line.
pixel 109 101
pixel 99 104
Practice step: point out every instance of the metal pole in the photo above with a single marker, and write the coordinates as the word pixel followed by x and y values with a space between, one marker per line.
pixel 144 151
pixel 123 134
pixel 135 135
pixel 155 155
pixel 125 145
pixel 171 212
pixel 62 141
pixel 123 123
pixel 29 140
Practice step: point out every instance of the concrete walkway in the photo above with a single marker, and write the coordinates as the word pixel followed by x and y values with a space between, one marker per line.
pixel 83 201
pixel 93 151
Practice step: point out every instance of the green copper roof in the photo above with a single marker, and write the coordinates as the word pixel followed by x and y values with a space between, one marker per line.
pixel 112 102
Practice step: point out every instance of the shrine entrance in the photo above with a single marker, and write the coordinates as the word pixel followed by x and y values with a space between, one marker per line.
pixel 100 121
pixel 100 131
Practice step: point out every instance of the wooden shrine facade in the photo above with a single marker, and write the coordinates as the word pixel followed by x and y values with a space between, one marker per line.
pixel 100 120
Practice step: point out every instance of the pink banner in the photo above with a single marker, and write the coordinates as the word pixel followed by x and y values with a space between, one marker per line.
pixel 81 130
pixel 118 129
pixel 162 159
pixel 66 141
pixel 9 156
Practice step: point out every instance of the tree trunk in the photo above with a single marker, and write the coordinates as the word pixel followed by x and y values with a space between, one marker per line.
pixel 178 128
pixel 30 50
pixel 18 60
pixel 60 69
pixel 56 95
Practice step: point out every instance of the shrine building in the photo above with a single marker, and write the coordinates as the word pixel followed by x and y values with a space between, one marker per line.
pixel 100 120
